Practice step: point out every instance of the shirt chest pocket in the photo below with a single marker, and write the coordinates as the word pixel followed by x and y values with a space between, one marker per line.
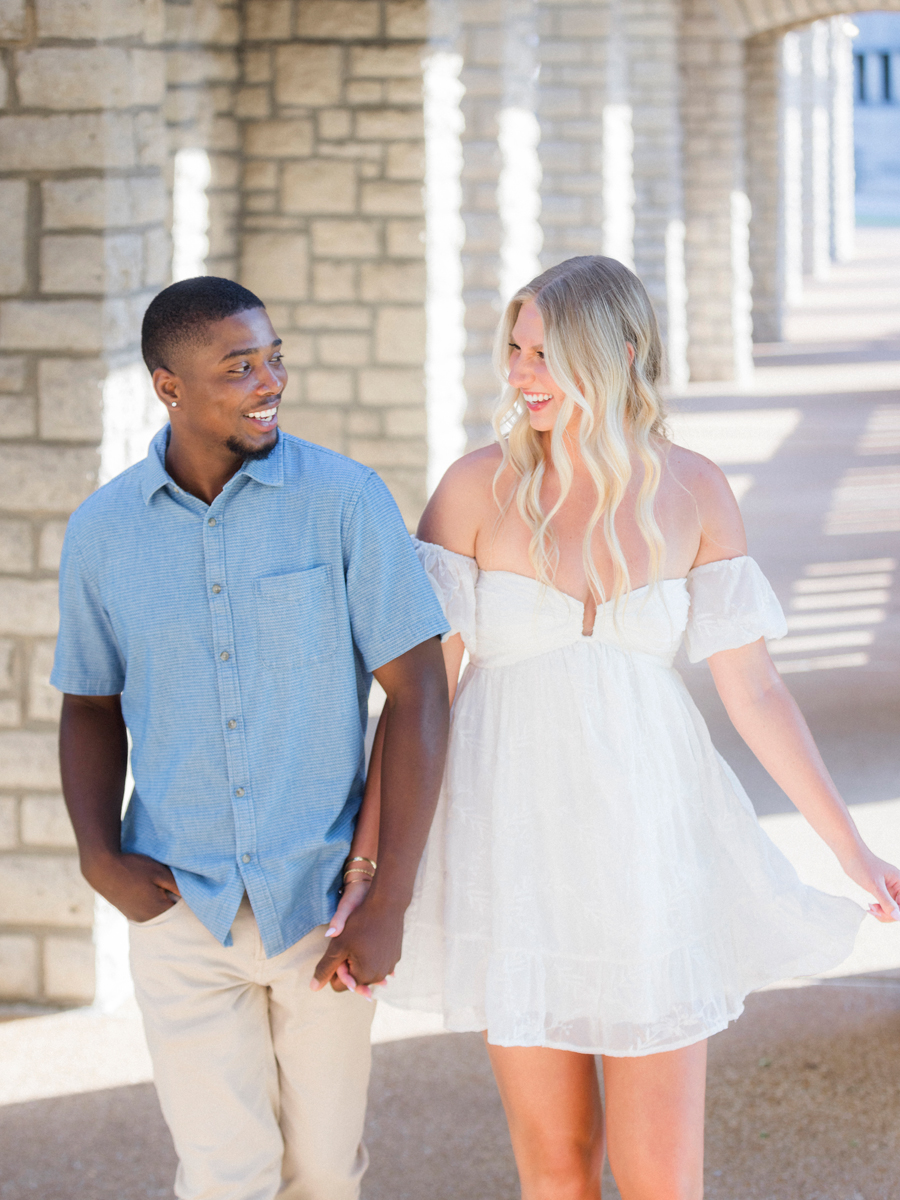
pixel 297 618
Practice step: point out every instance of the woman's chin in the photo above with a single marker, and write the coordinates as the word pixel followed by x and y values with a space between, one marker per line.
pixel 541 421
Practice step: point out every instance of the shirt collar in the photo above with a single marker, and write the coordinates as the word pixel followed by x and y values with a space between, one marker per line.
pixel 269 471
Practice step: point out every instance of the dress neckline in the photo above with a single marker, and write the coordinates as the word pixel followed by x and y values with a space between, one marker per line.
pixel 568 596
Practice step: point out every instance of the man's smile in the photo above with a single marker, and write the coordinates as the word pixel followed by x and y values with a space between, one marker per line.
pixel 264 418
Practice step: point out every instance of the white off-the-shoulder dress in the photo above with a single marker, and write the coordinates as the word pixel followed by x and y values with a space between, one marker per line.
pixel 596 878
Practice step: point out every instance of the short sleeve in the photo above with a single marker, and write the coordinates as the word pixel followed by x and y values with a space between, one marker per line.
pixel 88 660
pixel 732 604
pixel 453 577
pixel 392 608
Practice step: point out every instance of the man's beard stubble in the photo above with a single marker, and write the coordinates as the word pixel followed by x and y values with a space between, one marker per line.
pixel 249 453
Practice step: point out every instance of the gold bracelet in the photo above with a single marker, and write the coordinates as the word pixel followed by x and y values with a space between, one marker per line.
pixel 358 871
pixel 361 858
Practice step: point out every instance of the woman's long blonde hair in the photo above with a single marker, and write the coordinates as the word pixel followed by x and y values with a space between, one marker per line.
pixel 591 308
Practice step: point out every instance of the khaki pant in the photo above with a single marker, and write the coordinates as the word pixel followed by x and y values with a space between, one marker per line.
pixel 262 1082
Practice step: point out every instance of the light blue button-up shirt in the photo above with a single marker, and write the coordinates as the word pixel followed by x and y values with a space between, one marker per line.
pixel 242 636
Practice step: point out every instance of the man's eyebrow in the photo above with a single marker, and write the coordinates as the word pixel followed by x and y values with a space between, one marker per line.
pixel 248 351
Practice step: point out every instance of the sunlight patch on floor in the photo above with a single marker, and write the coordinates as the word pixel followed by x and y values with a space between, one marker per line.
pixel 752 435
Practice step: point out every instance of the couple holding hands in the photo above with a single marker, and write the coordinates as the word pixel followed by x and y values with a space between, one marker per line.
pixel 575 873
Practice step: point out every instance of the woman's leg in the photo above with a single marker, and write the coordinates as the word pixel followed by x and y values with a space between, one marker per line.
pixel 552 1103
pixel 654 1123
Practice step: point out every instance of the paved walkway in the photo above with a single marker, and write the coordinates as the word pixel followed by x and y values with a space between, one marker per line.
pixel 804 1093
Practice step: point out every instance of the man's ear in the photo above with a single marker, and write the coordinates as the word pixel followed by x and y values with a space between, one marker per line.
pixel 168 387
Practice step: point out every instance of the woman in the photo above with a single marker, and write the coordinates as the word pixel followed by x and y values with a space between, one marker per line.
pixel 596 881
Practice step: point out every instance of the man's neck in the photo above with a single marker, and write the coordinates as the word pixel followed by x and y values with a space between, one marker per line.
pixel 202 471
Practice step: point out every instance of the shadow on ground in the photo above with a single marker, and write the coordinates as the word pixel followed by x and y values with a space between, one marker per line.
pixel 803 1104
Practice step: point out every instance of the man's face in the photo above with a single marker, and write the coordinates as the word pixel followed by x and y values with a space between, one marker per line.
pixel 227 390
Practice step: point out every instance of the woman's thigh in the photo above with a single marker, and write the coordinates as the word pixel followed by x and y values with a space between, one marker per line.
pixel 552 1103
pixel 654 1123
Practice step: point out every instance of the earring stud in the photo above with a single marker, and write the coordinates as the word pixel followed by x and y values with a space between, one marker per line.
pixel 174 403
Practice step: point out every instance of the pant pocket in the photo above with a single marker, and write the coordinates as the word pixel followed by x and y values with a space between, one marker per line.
pixel 159 919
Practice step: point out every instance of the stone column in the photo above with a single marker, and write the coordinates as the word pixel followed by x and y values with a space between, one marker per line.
pixel 765 182
pixel 84 248
pixel 715 200
pixel 331 221
pixel 816 124
pixel 571 101
pixel 793 153
pixel 843 180
pixel 202 106
pixel 659 229
pixel 480 41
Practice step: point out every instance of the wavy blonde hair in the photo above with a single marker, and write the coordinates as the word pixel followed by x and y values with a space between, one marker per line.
pixel 591 308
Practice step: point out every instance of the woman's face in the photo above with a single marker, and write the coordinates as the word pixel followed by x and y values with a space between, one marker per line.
pixel 528 371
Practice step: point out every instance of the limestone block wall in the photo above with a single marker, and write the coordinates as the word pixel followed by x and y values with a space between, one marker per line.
pixel 84 247
pixel 331 222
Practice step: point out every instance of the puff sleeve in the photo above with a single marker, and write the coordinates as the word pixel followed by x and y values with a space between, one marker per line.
pixel 452 576
pixel 732 604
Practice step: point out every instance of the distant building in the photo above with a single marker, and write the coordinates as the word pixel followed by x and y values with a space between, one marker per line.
pixel 876 118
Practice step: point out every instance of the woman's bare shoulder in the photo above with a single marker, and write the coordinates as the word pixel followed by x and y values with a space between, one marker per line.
pixel 721 525
pixel 462 501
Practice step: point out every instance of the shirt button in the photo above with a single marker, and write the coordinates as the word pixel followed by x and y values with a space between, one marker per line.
pixel 232 724
pixel 211 521
pixel 239 791
pixel 216 589
pixel 224 656
pixel 245 858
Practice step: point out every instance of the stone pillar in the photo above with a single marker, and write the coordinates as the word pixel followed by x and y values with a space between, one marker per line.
pixel 480 41
pixel 202 106
pixel 793 152
pixel 843 180
pixel 84 249
pixel 816 124
pixel 571 101
pixel 331 221
pixel 715 201
pixel 659 229
pixel 765 182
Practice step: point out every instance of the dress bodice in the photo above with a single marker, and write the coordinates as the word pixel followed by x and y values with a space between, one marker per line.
pixel 506 618
pixel 517 617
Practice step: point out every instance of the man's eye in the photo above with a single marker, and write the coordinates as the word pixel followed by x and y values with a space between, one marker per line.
pixel 277 358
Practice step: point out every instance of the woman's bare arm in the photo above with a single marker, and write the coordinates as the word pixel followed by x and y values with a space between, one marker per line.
pixel 766 716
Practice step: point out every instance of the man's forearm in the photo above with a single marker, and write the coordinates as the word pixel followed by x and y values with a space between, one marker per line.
pixel 93 754
pixel 416 722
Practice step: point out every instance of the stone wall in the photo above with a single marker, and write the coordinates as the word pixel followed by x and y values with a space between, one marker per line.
pixel 331 224
pixel 84 247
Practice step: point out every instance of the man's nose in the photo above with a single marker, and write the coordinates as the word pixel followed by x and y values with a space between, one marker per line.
pixel 270 380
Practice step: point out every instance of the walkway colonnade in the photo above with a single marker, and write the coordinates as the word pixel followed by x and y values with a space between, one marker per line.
pixel 384 173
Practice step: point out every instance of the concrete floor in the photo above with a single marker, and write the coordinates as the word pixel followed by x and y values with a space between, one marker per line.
pixel 804 1090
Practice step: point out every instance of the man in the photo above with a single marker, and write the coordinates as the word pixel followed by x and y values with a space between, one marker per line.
pixel 226 601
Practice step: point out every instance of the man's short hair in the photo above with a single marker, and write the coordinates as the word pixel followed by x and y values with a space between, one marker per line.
pixel 180 314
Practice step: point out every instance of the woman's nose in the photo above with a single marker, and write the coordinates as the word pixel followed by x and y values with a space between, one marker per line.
pixel 519 375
